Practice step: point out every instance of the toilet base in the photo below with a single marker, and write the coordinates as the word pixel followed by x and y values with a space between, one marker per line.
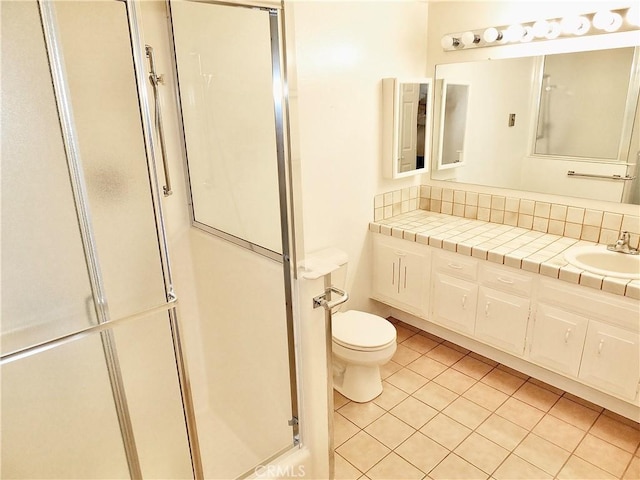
pixel 359 383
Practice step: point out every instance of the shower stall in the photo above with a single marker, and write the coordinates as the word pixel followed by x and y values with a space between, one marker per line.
pixel 96 335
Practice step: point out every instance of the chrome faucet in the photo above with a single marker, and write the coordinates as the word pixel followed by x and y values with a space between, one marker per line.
pixel 622 245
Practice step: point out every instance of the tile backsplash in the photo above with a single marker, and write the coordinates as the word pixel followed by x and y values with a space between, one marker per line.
pixel 573 222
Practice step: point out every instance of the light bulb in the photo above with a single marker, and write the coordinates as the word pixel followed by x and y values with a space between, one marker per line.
pixel 492 34
pixel 554 30
pixel 515 33
pixel 470 38
pixel 607 21
pixel 449 42
pixel 633 16
pixel 528 35
pixel 575 25
pixel 541 28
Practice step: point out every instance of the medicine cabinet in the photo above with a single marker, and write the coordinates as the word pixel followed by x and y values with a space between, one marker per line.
pixel 406 126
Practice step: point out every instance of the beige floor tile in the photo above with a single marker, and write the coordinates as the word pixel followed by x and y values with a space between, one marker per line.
pixel 541 453
pixel 515 468
pixel 482 453
pixel 520 413
pixel 583 402
pixel 362 451
pixel 503 381
pixel 484 359
pixel 389 369
pixel 394 467
pixel 420 343
pixel 472 367
pixel 435 395
pixel 456 347
pixel 422 452
pixel 433 337
pixel 627 421
pixel 404 355
pixel 466 412
pixel 427 367
pixel 362 414
pixel 486 396
pixel 574 413
pixel 513 372
pixel 603 455
pixel 444 354
pixel 403 331
pixel 343 470
pixel 578 469
pixel 454 467
pixel 407 380
pixel 546 386
pixel 446 431
pixel 617 433
pixel 390 396
pixel 559 432
pixel 536 396
pixel 454 380
pixel 339 400
pixel 413 412
pixel 503 432
pixel 343 429
pixel 633 471
pixel 390 430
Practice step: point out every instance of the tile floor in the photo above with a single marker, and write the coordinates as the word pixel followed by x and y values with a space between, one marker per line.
pixel 447 413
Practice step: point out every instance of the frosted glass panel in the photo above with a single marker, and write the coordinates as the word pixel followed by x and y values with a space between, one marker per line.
pixel 225 79
pixel 97 53
pixel 150 379
pixel 58 416
pixel 45 287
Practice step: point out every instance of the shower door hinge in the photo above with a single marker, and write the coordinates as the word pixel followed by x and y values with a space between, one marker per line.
pixel 293 422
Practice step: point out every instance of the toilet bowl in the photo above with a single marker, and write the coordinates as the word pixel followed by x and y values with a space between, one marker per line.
pixel 362 342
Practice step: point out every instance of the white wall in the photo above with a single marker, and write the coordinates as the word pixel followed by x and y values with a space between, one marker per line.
pixel 342 52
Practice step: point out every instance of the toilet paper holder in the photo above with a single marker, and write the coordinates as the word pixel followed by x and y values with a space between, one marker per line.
pixel 325 300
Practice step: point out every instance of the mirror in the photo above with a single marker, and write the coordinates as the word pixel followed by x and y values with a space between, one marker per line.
pixel 407 123
pixel 532 120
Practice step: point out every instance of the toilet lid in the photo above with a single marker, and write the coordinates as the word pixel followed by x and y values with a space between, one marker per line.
pixel 361 330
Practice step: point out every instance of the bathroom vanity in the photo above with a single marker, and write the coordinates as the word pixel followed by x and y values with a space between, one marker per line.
pixel 489 288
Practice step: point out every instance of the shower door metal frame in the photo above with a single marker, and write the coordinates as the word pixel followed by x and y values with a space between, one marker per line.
pixel 78 186
pixel 287 257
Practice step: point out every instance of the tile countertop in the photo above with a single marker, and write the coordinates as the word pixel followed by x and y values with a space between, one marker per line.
pixel 515 247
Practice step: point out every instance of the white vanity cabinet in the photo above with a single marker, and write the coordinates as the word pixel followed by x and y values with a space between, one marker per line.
pixel 454 292
pixel 503 308
pixel 557 339
pixel 611 359
pixel 401 274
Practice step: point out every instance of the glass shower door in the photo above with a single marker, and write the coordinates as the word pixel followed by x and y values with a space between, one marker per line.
pixel 90 384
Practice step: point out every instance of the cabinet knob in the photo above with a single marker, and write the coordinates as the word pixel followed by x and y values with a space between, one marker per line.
pixel 486 308
pixel 464 301
pixel 600 345
pixel 566 335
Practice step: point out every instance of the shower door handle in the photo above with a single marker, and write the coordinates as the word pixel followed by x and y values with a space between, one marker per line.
pixel 321 300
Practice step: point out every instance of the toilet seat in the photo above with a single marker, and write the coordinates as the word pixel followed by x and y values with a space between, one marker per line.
pixel 362 331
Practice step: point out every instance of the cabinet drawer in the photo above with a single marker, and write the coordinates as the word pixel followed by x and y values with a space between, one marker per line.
pixel 506 280
pixel 456 265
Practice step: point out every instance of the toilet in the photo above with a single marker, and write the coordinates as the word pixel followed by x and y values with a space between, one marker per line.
pixel 362 342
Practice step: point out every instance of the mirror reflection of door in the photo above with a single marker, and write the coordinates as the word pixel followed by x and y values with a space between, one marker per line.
pixel 454 124
pixel 408 141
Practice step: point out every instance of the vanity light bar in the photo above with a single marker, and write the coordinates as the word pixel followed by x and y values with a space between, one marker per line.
pixel 605 21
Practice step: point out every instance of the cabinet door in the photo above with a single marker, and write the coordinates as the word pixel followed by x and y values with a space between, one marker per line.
pixel 454 302
pixel 558 338
pixel 502 320
pixel 610 359
pixel 400 276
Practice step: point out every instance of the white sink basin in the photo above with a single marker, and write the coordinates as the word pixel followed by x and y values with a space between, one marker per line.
pixel 599 260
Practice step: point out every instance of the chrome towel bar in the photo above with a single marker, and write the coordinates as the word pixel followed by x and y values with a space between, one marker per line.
pixel 571 173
